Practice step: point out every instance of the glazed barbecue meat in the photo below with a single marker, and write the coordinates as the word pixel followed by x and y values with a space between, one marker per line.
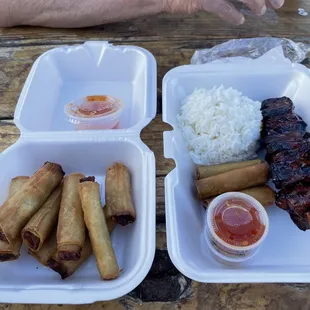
pixel 307 135
pixel 291 132
pixel 272 123
pixel 287 173
pixel 284 156
pixel 291 128
pixel 295 198
pixel 296 201
pixel 281 123
pixel 277 106
pixel 288 154
pixel 302 153
pixel 283 145
pixel 302 222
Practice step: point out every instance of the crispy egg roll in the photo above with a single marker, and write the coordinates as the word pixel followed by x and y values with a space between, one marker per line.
pixel 68 268
pixel 118 197
pixel 234 180
pixel 209 171
pixel 11 251
pixel 111 224
pixel 71 226
pixel 98 230
pixel 18 209
pixel 42 223
pixel 16 184
pixel 47 250
pixel 263 193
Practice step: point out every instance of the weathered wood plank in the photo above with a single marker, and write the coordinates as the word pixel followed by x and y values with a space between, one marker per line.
pixel 9 134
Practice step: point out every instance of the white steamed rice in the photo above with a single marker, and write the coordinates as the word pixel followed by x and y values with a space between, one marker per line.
pixel 220 125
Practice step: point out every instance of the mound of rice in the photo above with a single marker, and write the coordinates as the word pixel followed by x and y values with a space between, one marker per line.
pixel 220 125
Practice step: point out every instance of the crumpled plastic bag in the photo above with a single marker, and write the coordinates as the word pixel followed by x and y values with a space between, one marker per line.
pixel 252 48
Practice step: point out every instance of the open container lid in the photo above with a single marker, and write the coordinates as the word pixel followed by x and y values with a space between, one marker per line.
pixel 68 73
pixel 57 77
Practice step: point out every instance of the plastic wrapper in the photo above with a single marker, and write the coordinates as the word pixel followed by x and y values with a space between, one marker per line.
pixel 252 48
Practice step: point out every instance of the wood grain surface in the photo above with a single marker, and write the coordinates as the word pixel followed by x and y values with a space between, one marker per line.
pixel 172 40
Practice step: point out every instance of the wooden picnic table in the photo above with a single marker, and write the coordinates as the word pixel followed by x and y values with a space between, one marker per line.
pixel 172 40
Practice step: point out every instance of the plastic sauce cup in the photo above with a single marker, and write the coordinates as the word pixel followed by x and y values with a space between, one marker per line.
pixel 236 225
pixel 94 112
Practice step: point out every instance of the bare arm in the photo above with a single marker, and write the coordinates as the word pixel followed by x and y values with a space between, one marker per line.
pixel 84 13
pixel 73 13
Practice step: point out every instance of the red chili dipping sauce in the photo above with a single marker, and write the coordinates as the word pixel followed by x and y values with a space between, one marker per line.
pixel 237 222
pixel 96 106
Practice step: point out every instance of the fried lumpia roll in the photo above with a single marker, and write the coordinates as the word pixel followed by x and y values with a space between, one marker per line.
pixel 71 226
pixel 42 223
pixel 98 230
pixel 264 194
pixel 234 180
pixel 209 171
pixel 16 184
pixel 18 209
pixel 118 195
pixel 68 268
pixel 111 224
pixel 11 251
pixel 46 251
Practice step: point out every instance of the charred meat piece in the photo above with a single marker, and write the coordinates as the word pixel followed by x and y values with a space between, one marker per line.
pixel 288 152
pixel 287 155
pixel 277 146
pixel 290 172
pixel 301 153
pixel 301 222
pixel 295 135
pixel 296 201
pixel 307 135
pixel 292 130
pixel 281 120
pixel 295 198
pixel 276 106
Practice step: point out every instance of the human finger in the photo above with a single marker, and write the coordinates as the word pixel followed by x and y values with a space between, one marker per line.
pixel 225 10
pixel 258 7
pixel 276 4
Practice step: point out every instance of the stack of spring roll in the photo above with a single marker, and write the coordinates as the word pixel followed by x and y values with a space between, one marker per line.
pixel 249 177
pixel 62 221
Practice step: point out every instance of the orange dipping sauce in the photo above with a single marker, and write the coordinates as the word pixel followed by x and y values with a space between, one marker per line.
pixel 96 106
pixel 95 112
pixel 237 222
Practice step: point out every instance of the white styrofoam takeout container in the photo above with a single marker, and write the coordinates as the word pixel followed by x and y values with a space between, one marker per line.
pixel 57 77
pixel 284 256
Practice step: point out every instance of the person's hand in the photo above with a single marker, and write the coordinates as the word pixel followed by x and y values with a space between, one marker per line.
pixel 223 8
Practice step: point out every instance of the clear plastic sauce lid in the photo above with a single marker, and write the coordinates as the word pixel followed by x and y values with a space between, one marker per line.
pixel 94 107
pixel 237 222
